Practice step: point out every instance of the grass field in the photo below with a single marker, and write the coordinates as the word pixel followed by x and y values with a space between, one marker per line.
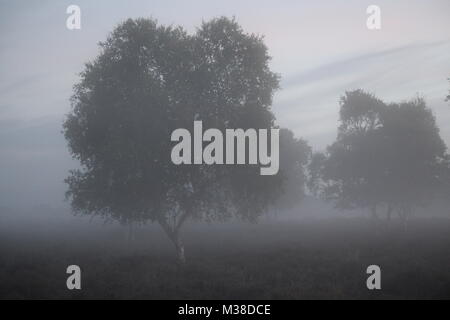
pixel 323 259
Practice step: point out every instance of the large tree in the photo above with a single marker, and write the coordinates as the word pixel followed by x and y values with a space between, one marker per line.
pixel 147 81
pixel 385 155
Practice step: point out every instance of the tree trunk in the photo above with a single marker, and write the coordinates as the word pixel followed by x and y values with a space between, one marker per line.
pixel 179 247
pixel 174 236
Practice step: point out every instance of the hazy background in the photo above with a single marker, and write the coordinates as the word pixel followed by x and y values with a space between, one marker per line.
pixel 320 49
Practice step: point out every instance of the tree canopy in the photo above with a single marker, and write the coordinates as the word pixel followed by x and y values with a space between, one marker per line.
pixel 384 154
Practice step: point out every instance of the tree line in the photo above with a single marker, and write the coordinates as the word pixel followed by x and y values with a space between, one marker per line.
pixel 150 79
pixel 386 156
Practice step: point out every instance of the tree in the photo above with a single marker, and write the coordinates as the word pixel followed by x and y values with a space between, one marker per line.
pixel 315 180
pixel 390 155
pixel 351 168
pixel 414 155
pixel 295 155
pixel 448 96
pixel 147 81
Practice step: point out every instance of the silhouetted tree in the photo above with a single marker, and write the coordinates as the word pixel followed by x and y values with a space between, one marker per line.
pixel 147 81
pixel 414 156
pixel 352 169
pixel 448 96
pixel 390 155
pixel 315 180
pixel 294 156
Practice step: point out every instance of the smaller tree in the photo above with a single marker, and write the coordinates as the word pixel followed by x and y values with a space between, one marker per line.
pixel 351 168
pixel 384 155
pixel 448 96
pixel 316 181
pixel 414 156
pixel 294 156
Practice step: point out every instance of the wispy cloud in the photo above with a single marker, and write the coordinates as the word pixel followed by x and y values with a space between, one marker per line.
pixel 308 102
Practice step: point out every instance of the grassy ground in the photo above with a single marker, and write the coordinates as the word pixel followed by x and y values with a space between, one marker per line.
pixel 324 259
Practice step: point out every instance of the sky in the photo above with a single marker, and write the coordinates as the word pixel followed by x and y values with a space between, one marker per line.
pixel 320 49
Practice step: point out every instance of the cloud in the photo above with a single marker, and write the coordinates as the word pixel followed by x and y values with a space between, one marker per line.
pixel 308 102
pixel 349 64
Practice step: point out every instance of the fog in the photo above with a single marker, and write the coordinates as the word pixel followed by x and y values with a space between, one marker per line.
pixel 320 50
pixel 310 234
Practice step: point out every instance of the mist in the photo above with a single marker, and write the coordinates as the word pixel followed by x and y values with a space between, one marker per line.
pixel 86 176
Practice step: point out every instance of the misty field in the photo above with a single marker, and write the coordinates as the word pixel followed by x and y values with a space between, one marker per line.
pixel 306 259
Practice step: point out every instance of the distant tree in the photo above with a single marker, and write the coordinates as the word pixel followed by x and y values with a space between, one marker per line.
pixel 448 96
pixel 315 180
pixel 147 81
pixel 352 169
pixel 294 156
pixel 414 156
pixel 389 155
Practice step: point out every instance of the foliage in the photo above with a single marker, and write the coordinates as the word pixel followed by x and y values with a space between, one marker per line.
pixel 147 81
pixel 384 154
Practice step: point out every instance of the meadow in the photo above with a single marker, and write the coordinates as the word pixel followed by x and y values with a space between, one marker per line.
pixel 273 259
